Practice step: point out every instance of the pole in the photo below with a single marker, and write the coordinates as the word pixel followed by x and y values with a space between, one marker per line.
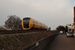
pixel 74 15
pixel 74 20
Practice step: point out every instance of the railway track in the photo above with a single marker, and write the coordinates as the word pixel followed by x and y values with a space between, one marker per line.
pixel 20 31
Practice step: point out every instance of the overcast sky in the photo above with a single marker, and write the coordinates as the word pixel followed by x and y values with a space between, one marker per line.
pixel 50 12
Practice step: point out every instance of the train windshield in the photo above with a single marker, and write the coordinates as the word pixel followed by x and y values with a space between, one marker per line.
pixel 26 22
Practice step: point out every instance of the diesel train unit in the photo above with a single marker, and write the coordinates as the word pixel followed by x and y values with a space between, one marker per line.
pixel 27 23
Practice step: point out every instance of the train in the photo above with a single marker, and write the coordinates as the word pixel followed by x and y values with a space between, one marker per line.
pixel 27 23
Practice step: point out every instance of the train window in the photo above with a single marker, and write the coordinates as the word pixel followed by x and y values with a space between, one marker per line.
pixel 26 22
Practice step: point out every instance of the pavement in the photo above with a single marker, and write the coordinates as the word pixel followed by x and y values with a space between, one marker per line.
pixel 62 42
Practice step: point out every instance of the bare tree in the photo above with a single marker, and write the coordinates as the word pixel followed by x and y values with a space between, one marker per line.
pixel 13 22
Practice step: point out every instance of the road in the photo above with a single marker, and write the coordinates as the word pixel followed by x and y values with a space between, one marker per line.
pixel 61 42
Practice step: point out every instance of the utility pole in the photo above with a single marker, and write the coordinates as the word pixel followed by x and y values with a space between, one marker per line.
pixel 74 20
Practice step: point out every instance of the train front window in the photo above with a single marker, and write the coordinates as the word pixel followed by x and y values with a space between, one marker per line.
pixel 26 22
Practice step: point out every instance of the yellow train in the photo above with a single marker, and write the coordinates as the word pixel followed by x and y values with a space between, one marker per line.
pixel 29 23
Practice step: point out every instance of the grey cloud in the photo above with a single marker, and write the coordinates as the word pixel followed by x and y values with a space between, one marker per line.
pixel 50 12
